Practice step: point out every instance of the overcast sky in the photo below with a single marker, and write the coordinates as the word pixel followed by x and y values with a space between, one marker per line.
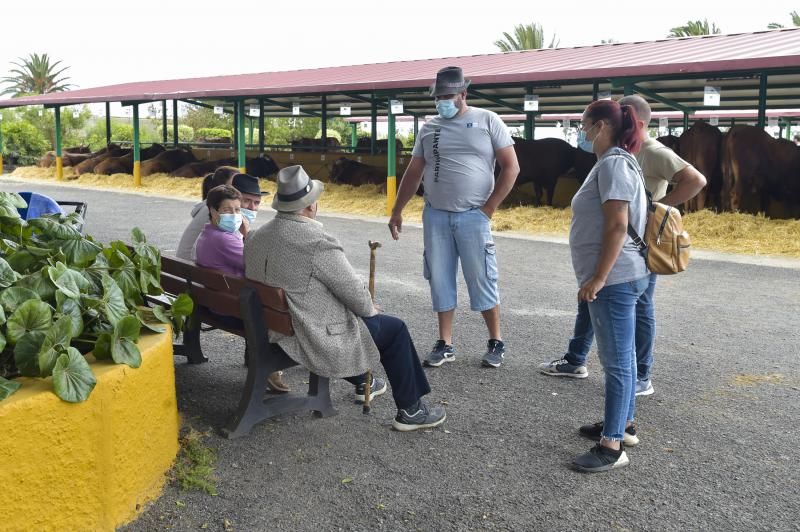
pixel 146 40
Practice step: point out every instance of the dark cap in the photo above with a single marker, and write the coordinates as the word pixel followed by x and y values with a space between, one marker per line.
pixel 449 80
pixel 247 184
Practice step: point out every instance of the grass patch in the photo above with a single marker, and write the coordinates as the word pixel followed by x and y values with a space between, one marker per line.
pixel 194 469
pixel 727 232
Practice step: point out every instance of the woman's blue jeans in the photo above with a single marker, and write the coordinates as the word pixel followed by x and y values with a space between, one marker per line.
pixel 613 316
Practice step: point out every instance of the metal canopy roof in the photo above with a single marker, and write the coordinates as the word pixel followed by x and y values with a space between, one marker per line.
pixel 673 71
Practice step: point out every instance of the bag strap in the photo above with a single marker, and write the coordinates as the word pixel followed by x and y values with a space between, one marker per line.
pixel 635 238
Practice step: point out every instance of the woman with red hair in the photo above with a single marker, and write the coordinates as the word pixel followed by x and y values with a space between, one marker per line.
pixel 611 272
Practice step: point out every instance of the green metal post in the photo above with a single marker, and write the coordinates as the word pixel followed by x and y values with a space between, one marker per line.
pixel 762 101
pixel 250 130
pixel 108 123
pixel 595 91
pixel 175 123
pixel 236 126
pixel 788 133
pixel 685 122
pixel 59 164
pixel 416 127
pixel 353 136
pixel 1 145
pixel 391 164
pixel 533 127
pixel 628 89
pixel 165 132
pixel 323 124
pixel 261 126
pixel 374 133
pixel 137 165
pixel 240 136
pixel 528 117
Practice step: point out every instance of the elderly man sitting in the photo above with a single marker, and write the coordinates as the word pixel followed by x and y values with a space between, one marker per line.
pixel 338 331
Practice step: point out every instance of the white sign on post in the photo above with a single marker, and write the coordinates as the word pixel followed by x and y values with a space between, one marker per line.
pixel 344 110
pixel 531 102
pixel 772 121
pixel 605 95
pixel 296 108
pixel 41 112
pixel 714 121
pixel 76 113
pixel 663 122
pixel 396 107
pixel 218 110
pixel 711 96
pixel 254 111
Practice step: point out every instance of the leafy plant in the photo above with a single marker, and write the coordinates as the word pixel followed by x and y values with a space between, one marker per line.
pixel 63 295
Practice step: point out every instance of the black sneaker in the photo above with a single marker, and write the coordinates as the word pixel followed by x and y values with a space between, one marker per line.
pixel 420 416
pixel 495 352
pixel 595 432
pixel 601 458
pixel 440 354
pixel 378 388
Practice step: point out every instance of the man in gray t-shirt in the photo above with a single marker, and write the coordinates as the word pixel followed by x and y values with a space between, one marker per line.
pixel 455 153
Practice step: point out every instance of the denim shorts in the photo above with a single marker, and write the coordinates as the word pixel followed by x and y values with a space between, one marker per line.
pixel 450 236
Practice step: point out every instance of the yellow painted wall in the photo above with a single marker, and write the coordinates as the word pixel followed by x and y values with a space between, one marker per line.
pixel 91 465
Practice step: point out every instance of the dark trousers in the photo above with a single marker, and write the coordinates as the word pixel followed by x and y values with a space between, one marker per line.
pixel 399 358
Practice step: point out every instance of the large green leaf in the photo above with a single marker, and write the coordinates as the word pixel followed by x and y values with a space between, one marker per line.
pixel 40 283
pixel 182 306
pixel 8 387
pixel 125 275
pixel 13 199
pixel 73 379
pixel 32 315
pixel 78 252
pixel 22 260
pixel 56 339
pixel 7 275
pixel 26 353
pixel 2 317
pixel 102 349
pixel 71 282
pixel 3 341
pixel 53 230
pixel 160 314
pixel 128 327
pixel 138 236
pixel 152 326
pixel 8 211
pixel 71 308
pixel 12 298
pixel 123 351
pixel 114 307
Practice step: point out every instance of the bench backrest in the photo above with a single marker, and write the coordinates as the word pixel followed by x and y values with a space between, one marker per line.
pixel 222 293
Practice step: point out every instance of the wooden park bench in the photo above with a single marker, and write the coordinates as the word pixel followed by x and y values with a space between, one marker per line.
pixel 218 297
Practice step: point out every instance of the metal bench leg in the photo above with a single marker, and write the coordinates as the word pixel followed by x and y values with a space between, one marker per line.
pixel 319 394
pixel 191 342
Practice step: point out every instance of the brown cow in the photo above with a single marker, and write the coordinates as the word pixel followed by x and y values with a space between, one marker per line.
pixel 124 164
pixel 700 147
pixel 541 162
pixel 363 145
pixel 757 168
pixel 261 166
pixel 89 165
pixel 349 172
pixel 308 144
pixel 167 161
pixel 672 142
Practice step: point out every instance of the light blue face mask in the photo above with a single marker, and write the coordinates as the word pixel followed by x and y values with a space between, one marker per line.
pixel 230 223
pixel 583 142
pixel 447 108
pixel 250 215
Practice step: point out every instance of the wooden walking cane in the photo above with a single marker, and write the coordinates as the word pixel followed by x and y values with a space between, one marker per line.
pixel 373 246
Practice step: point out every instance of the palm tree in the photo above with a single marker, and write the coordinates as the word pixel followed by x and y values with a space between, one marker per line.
pixel 694 27
pixel 795 21
pixel 526 37
pixel 35 74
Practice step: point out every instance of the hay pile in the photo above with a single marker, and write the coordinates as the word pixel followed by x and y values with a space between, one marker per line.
pixel 729 232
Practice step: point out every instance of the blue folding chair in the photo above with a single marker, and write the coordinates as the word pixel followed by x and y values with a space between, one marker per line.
pixel 39 205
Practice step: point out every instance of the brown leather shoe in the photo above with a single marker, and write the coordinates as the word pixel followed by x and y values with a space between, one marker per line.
pixel 275 383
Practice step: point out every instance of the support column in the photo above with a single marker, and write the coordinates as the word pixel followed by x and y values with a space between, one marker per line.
pixel 261 126
pixel 762 101
pixel 165 132
pixel 108 123
pixel 595 91
pixel 240 136
pixel 323 124
pixel 1 145
pixel 416 127
pixel 391 164
pixel 685 122
pixel 374 130
pixel 250 131
pixel 353 136
pixel 137 164
pixel 59 163
pixel 174 123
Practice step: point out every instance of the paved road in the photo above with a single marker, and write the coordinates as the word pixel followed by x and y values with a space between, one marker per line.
pixel 719 436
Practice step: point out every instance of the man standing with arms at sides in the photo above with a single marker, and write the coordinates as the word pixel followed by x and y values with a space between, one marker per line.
pixel 661 167
pixel 455 153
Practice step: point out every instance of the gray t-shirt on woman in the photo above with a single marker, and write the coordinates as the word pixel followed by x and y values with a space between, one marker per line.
pixel 459 158
pixel 615 176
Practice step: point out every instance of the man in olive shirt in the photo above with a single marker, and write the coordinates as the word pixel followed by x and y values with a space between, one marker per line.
pixel 661 167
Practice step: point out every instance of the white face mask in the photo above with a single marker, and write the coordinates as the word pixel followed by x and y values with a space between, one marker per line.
pixel 250 215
